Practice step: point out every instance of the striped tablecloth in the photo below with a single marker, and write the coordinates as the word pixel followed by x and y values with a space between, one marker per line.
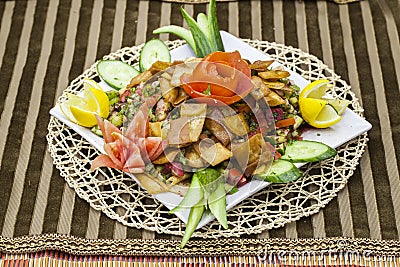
pixel 44 44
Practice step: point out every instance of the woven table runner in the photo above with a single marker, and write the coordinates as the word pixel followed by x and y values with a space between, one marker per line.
pixel 44 45
pixel 58 250
pixel 206 1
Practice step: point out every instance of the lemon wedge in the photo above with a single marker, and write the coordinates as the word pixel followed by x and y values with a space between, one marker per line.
pixel 83 117
pixel 310 108
pixel 339 105
pixel 316 89
pixel 82 109
pixel 318 111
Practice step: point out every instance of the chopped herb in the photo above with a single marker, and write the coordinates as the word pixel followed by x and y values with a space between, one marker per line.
pixel 208 90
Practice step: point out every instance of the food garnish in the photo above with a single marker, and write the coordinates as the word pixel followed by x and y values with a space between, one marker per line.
pixel 308 151
pixel 116 73
pixel 204 36
pixel 83 109
pixel 206 190
pixel 318 110
pixel 153 51
pixel 223 76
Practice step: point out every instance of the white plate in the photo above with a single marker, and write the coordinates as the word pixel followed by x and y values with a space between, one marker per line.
pixel 348 128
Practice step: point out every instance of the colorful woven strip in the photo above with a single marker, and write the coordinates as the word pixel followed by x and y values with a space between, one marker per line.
pixel 55 258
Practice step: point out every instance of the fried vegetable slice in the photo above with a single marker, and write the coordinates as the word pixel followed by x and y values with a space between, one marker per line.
pixel 169 92
pixel 237 124
pixel 274 74
pixel 273 99
pixel 159 66
pixel 274 85
pixel 142 77
pixel 214 154
pixel 261 65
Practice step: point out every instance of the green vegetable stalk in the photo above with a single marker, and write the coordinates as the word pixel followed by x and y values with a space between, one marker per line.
pixel 207 190
pixel 203 35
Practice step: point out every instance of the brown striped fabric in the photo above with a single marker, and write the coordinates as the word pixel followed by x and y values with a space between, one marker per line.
pixel 45 44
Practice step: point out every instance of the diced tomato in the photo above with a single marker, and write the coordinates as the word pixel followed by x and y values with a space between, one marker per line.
pixel 285 123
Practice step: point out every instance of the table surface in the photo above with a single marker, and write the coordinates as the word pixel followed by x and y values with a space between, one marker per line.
pixel 45 44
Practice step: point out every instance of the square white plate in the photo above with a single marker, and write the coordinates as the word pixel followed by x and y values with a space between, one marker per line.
pixel 348 128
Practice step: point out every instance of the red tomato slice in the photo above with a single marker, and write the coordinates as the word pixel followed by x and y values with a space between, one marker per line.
pixel 225 74
pixel 214 100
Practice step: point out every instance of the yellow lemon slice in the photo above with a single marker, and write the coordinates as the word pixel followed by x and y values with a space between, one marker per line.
pixel 317 110
pixel 339 105
pixel 83 117
pixel 65 108
pixel 82 109
pixel 316 89
pixel 310 108
pixel 326 118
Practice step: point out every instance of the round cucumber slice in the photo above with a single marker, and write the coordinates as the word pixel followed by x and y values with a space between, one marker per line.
pixel 154 50
pixel 115 73
pixel 308 151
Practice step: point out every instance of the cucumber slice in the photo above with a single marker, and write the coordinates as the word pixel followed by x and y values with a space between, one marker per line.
pixel 217 204
pixel 193 196
pixel 154 50
pixel 115 73
pixel 281 171
pixel 308 151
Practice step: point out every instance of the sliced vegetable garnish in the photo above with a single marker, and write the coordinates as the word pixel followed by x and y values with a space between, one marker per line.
pixel 202 45
pixel 213 28
pixel 196 212
pixel 308 151
pixel 209 191
pixel 154 50
pixel 223 76
pixel 204 36
pixel 193 196
pixel 281 171
pixel 181 32
pixel 116 73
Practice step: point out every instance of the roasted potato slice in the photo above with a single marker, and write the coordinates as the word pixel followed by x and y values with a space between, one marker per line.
pixel 260 84
pixel 193 158
pixel 248 152
pixel 169 155
pixel 182 96
pixel 274 85
pixel 174 180
pixel 152 184
pixel 218 131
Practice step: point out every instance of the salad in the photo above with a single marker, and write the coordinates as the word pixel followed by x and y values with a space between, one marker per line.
pixel 202 127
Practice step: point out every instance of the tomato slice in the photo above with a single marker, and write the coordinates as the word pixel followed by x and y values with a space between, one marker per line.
pixel 214 100
pixel 223 76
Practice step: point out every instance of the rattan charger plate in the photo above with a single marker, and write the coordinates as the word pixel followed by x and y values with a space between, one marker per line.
pixel 120 198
